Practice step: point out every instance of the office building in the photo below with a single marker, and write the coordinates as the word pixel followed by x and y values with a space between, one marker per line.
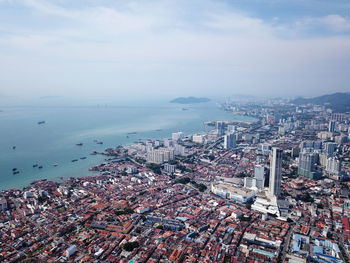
pixel 275 172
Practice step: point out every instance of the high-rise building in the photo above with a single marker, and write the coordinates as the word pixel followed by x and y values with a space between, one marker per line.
pixel 259 176
pixel 220 127
pixel 230 141
pixel 307 165
pixel 331 126
pixel 177 136
pixel 333 166
pixel 330 148
pixel 275 172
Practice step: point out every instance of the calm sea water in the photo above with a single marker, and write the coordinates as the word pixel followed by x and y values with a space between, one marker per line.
pixel 55 141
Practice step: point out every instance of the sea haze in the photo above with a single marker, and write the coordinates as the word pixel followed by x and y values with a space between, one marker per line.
pixel 55 141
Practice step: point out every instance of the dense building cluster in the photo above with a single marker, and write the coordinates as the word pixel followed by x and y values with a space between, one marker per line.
pixel 274 190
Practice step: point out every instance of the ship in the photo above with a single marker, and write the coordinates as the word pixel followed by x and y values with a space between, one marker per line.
pixel 35 165
pixel 14 147
pixel 41 122
pixel 14 169
pixel 40 167
pixel 79 144
pixel 74 160
pixel 132 133
pixel 99 142
pixel 16 172
pixel 83 158
pixel 55 164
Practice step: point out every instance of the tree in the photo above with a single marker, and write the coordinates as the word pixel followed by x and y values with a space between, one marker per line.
pixel 130 246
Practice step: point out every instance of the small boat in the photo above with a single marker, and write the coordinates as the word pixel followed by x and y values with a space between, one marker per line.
pixel 93 153
pixel 83 158
pixel 158 130
pixel 40 167
pixel 132 133
pixel 99 142
pixel 79 144
pixel 41 122
pixel 74 160
pixel 14 147
pixel 16 172
pixel 35 165
pixel 14 169
pixel 55 164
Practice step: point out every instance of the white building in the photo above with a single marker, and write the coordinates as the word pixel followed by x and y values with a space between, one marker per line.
pixel 177 136
pixel 198 138
pixel 71 251
pixel 241 195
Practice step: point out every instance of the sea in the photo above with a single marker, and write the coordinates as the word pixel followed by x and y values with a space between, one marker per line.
pixel 24 142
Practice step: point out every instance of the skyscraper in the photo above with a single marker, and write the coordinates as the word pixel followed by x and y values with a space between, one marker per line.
pixel 331 126
pixel 259 176
pixel 275 172
pixel 230 141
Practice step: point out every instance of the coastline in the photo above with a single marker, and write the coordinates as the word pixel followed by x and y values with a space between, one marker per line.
pixel 190 122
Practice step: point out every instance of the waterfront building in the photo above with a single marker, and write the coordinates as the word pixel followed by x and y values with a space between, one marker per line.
pixel 177 136
pixel 3 204
pixel 220 128
pixel 198 138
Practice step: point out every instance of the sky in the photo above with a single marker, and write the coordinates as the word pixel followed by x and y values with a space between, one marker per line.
pixel 168 48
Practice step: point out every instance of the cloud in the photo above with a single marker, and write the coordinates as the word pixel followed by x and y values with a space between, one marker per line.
pixel 166 47
pixel 333 22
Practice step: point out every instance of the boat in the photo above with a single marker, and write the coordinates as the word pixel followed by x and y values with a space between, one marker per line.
pixel 74 160
pixel 16 172
pixel 55 164
pixel 35 165
pixel 13 147
pixel 83 158
pixel 184 109
pixel 94 153
pixel 132 133
pixel 79 144
pixel 158 130
pixel 14 169
pixel 41 122
pixel 99 142
pixel 40 167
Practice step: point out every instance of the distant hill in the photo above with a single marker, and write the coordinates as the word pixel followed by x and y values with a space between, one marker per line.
pixel 338 102
pixel 189 100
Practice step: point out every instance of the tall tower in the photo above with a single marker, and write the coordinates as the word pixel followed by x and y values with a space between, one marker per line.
pixel 230 141
pixel 275 172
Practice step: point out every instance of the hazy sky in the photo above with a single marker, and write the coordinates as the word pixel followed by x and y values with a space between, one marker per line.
pixel 191 47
